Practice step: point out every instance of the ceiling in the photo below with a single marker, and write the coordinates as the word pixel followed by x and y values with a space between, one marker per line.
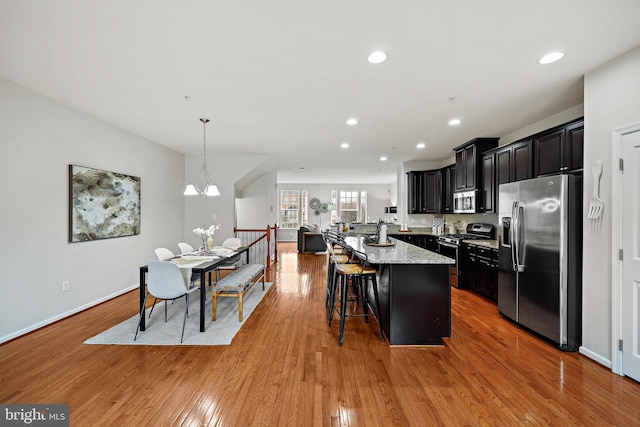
pixel 280 78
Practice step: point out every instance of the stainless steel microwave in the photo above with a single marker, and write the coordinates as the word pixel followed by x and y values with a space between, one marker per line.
pixel 464 202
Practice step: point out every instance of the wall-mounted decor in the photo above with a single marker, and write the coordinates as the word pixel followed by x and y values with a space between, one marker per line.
pixel 102 204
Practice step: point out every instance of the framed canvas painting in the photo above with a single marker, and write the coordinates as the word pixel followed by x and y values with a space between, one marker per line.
pixel 102 204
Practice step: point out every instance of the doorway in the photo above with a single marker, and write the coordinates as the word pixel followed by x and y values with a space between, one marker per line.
pixel 626 264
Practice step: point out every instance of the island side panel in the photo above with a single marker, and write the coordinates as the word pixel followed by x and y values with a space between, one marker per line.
pixel 415 303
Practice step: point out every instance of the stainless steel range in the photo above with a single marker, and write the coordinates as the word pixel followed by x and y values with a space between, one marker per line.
pixel 451 245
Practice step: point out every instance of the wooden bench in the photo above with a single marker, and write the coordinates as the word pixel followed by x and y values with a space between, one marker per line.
pixel 237 284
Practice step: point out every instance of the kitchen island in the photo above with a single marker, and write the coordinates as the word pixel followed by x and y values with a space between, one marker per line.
pixel 414 291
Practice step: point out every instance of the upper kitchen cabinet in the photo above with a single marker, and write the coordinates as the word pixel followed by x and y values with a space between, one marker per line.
pixel 424 190
pixel 415 190
pixel 468 158
pixel 509 163
pixel 488 182
pixel 448 175
pixel 559 150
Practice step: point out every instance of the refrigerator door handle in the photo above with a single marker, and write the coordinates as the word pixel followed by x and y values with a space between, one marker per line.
pixel 520 251
pixel 514 237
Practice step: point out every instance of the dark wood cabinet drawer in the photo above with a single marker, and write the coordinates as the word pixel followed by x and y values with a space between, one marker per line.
pixel 484 252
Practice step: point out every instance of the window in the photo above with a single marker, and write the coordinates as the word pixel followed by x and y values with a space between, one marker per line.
pixel 351 206
pixel 293 208
pixel 289 208
pixel 304 207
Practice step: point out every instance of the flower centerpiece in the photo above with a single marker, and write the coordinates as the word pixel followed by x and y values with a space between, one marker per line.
pixel 207 236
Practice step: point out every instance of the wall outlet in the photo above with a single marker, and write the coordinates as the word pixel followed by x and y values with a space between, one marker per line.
pixel 213 217
pixel 65 286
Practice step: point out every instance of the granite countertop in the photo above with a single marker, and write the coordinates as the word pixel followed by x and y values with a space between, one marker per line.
pixel 422 231
pixel 493 244
pixel 400 253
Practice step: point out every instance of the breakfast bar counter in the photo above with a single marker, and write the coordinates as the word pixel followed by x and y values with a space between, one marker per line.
pixel 414 291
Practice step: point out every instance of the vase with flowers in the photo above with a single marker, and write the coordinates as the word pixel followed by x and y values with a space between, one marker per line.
pixel 206 234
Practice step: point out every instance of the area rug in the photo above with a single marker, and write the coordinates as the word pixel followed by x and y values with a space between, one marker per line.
pixel 220 332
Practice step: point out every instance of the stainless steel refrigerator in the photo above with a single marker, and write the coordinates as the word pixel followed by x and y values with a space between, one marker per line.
pixel 540 263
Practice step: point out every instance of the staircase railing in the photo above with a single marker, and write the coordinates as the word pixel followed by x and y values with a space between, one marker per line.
pixel 261 243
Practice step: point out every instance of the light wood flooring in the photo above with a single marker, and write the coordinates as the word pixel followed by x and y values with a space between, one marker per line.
pixel 285 368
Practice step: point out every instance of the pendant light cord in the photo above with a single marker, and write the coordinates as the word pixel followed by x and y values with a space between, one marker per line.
pixel 204 150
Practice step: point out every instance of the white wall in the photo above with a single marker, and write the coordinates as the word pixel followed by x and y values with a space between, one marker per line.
pixel 547 123
pixel 39 138
pixel 257 205
pixel 225 170
pixel 611 100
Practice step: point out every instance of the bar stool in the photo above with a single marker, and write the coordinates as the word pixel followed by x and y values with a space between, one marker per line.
pixel 359 275
pixel 336 255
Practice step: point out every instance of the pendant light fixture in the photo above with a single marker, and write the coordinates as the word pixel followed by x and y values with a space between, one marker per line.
pixel 210 189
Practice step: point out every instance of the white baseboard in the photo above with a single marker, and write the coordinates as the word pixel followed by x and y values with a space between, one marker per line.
pixel 595 356
pixel 61 316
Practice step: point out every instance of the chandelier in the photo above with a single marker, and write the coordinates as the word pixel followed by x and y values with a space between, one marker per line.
pixel 209 189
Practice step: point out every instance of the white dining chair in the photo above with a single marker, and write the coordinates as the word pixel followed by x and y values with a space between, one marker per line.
pixel 165 254
pixel 185 248
pixel 167 283
pixel 232 242
pixel 233 263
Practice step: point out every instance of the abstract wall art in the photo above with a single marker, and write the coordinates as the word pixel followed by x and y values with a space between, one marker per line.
pixel 102 204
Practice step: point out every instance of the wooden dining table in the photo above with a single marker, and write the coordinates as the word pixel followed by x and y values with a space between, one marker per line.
pixel 200 269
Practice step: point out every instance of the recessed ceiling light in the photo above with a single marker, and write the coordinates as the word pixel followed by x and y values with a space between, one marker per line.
pixel 383 159
pixel 344 145
pixel 377 57
pixel 551 57
pixel 421 145
pixel 352 122
pixel 454 122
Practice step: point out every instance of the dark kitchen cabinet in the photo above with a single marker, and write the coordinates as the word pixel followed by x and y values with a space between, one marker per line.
pixel 514 162
pixel 430 243
pixel 489 183
pixel 448 176
pixel 470 268
pixel 433 191
pixel 466 165
pixel 423 241
pixel 481 270
pixel 501 165
pixel 424 191
pixel 415 181
pixel 522 163
pixel 559 150
pixel 468 158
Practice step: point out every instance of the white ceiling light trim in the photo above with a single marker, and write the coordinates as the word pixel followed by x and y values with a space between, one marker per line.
pixel 454 122
pixel 344 145
pixel 421 145
pixel 352 121
pixel 377 57
pixel 383 158
pixel 550 58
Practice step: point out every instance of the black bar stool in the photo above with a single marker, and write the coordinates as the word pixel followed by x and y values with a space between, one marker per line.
pixel 336 255
pixel 359 276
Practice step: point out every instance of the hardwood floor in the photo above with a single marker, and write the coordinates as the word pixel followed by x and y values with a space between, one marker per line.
pixel 285 368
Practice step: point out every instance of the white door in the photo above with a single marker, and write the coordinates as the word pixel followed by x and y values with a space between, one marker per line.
pixel 631 250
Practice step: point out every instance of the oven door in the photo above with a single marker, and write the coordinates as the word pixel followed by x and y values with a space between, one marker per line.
pixel 452 251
